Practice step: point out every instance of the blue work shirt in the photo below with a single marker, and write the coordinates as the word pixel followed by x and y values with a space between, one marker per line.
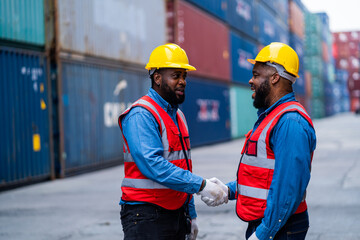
pixel 141 131
pixel 292 140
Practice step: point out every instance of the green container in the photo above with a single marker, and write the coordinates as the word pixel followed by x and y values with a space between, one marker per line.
pixel 317 108
pixel 243 113
pixel 313 44
pixel 312 23
pixel 317 87
pixel 314 64
pixel 22 21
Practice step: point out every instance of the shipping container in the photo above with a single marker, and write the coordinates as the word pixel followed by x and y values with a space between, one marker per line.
pixel 296 19
pixel 317 87
pixel 355 104
pixel 25 146
pixel 93 95
pixel 354 80
pixel 308 85
pixel 241 16
pixel 243 113
pixel 313 44
pixel 115 29
pixel 317 108
pixel 217 8
pixel 298 45
pixel 299 86
pixel 207 111
pixel 279 7
pixel 205 40
pixel 22 21
pixel 312 23
pixel 314 65
pixel 303 100
pixel 241 50
pixel 270 28
pixel 341 75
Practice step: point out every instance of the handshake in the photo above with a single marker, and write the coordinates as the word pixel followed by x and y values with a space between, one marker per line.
pixel 214 193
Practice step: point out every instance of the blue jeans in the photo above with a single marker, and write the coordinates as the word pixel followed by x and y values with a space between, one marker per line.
pixel 147 221
pixel 294 229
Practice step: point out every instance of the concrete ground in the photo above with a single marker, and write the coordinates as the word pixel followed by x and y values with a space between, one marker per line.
pixel 86 206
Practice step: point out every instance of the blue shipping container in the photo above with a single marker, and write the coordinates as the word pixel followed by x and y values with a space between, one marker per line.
pixel 241 50
pixel 299 86
pixel 279 7
pixel 270 29
pixel 217 8
pixel 93 97
pixel 241 15
pixel 207 111
pixel 25 154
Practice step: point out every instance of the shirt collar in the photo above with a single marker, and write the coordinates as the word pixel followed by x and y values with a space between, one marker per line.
pixel 287 98
pixel 162 102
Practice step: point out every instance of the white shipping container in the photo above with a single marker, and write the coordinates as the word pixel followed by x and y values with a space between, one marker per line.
pixel 116 29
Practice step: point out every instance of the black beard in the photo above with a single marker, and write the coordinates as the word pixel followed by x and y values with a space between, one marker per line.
pixel 171 96
pixel 261 94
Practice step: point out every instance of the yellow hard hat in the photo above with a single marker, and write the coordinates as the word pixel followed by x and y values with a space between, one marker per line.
pixel 169 56
pixel 281 54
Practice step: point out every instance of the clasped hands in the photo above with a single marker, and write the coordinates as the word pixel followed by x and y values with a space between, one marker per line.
pixel 214 193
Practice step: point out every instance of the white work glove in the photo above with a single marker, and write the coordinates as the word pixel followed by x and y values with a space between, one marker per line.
pixel 213 195
pixel 194 230
pixel 221 184
pixel 253 237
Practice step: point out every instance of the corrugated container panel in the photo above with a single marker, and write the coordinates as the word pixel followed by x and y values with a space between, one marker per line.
pixel 312 23
pixel 342 63
pixel 298 45
pixel 317 87
pixel 241 16
pixel 354 63
pixel 313 44
pixel 93 97
pixel 205 40
pixel 270 29
pixel 243 113
pixel 314 65
pixel 296 19
pixel 317 108
pixel 116 29
pixel 207 111
pixel 341 75
pixel 214 7
pixel 279 7
pixel 241 50
pixel 354 80
pixel 299 86
pixel 24 149
pixel 22 21
pixel 308 80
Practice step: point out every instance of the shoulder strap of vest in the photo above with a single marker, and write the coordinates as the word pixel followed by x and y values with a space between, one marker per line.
pixel 279 111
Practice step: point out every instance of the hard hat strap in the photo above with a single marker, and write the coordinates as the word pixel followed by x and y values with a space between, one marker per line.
pixel 282 72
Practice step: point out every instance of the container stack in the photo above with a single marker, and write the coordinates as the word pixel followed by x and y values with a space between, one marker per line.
pixel 302 86
pixel 24 89
pixel 347 54
pixel 314 63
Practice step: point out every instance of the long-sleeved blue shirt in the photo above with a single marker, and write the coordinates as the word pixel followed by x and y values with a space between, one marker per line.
pixel 141 131
pixel 292 140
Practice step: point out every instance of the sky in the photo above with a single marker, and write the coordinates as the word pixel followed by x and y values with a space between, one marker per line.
pixel 344 15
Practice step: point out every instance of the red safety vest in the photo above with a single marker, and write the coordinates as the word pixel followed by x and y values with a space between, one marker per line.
pixel 257 164
pixel 137 187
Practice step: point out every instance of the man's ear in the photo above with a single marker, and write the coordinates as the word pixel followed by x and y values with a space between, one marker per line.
pixel 157 78
pixel 275 78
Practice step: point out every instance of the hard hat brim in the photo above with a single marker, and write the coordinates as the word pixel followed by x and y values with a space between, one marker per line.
pixel 172 65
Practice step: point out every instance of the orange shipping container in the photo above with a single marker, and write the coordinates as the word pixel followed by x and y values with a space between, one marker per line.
pixel 308 84
pixel 205 40
pixel 296 19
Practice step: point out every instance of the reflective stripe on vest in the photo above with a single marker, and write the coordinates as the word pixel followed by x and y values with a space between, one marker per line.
pixel 170 156
pixel 142 183
pixel 253 192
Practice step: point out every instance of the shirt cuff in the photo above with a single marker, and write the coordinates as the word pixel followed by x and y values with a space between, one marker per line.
pixel 262 232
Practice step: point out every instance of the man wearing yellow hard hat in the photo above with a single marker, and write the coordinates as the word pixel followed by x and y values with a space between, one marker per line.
pixel 156 201
pixel 274 168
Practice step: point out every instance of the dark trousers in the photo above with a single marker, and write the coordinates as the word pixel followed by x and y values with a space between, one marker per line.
pixel 146 221
pixel 294 229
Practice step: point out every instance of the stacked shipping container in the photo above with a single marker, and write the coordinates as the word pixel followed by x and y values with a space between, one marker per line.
pixel 26 147
pixel 347 55
pixel 313 62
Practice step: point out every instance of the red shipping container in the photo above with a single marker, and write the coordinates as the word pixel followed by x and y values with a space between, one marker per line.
pixel 354 64
pixel 342 49
pixel 354 80
pixel 296 19
pixel 354 103
pixel 205 40
pixel 342 63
